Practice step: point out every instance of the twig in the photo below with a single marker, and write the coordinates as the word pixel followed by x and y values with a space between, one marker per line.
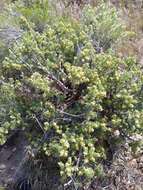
pixel 125 135
pixel 71 115
pixel 73 183
pixel 68 183
pixel 59 83
pixel 79 158
pixel 39 124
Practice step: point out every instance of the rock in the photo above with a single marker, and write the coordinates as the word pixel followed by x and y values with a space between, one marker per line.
pixel 2 167
pixel 10 34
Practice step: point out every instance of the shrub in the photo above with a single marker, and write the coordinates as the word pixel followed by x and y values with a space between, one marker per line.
pixel 37 12
pixel 103 26
pixel 73 98
pixel 10 117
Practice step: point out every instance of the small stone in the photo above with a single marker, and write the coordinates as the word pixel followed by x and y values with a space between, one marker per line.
pixel 132 163
pixel 14 149
pixel 116 133
pixel 2 166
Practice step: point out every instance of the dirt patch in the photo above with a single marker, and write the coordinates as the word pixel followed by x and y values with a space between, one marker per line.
pixel 18 167
pixel 11 156
pixel 125 172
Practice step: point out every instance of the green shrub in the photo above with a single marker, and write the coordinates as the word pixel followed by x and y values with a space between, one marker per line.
pixel 103 26
pixel 73 98
pixel 37 12
pixel 10 117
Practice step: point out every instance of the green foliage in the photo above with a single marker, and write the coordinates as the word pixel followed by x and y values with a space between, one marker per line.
pixel 37 12
pixel 3 51
pixel 10 117
pixel 103 26
pixel 73 98
pixel 2 188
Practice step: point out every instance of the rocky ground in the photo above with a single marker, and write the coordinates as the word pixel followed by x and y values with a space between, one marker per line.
pixel 124 173
pixel 11 158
